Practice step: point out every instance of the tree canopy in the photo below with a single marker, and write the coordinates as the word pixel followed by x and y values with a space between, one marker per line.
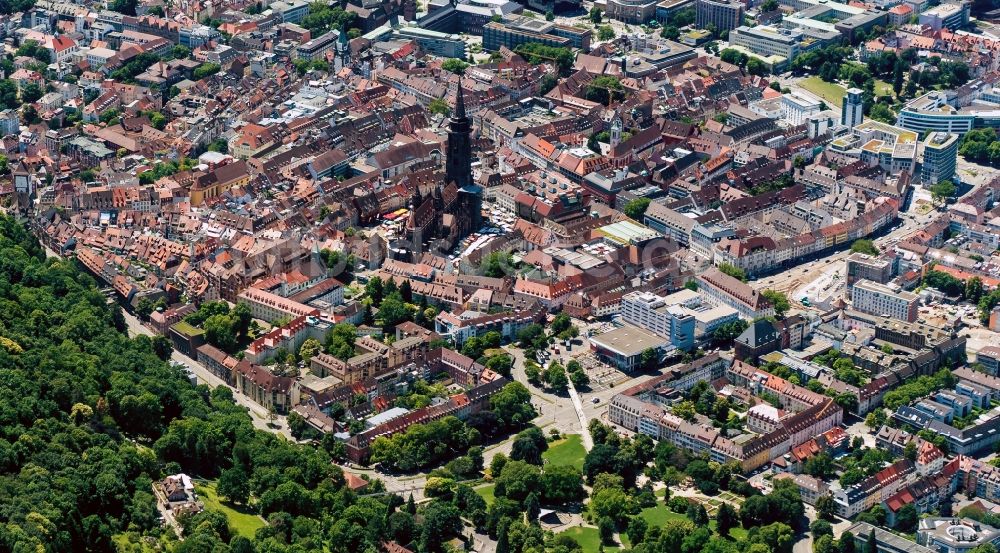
pixel 981 146
pixel 864 245
pixel 537 53
pixel 636 208
pixel 90 418
pixel 454 65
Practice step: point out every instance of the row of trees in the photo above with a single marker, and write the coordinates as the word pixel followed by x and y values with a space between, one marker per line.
pixel 702 400
pixel 165 168
pixel 323 17
pixel 981 146
pixel 753 66
pixel 431 444
pixel 677 20
pixel 537 53
pixel 945 282
pixel 553 377
pixel 916 388
pixel 781 182
pixel 225 328
pixel 843 367
pixel 865 246
pixel 604 89
pixel 395 305
pixel 424 445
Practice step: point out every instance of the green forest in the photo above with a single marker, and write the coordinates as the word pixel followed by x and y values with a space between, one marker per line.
pixel 90 418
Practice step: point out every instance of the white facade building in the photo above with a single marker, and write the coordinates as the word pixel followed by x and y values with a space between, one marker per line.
pixel 796 108
pixel 879 299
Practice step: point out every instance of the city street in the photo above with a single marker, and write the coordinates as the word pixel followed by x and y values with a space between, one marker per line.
pixel 791 280
pixel 258 414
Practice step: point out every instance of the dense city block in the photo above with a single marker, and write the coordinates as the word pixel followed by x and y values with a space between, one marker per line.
pixel 502 276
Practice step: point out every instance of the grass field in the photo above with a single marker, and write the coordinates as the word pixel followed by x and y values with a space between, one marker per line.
pixel 124 543
pixel 588 538
pixel 883 88
pixel 486 492
pixel 568 451
pixel 831 93
pixel 660 515
pixel 243 521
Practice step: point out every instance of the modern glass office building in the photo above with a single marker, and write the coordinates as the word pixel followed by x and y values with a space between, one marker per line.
pixel 940 154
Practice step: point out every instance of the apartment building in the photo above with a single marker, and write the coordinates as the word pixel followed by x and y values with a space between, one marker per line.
pixel 263 387
pixel 862 266
pixel 462 325
pixel 318 47
pixel 810 414
pixel 722 14
pixel 681 377
pixel 217 361
pixel 894 149
pixel 720 288
pixel 878 299
pixel 981 477
pixel 810 487
pixel 793 397
pixel 356 369
pixel 875 489
pixel 460 405
pixel 271 307
pixel 289 337
pixel 98 56
pixel 989 358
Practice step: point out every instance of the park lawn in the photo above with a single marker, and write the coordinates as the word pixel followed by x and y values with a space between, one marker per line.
pixel 486 492
pixel 737 533
pixel 588 538
pixel 567 451
pixel 831 93
pixel 125 543
pixel 243 521
pixel 660 515
pixel 883 88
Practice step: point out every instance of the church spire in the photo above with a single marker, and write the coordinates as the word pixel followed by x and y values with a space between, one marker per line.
pixel 460 102
pixel 343 49
pixel 458 165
